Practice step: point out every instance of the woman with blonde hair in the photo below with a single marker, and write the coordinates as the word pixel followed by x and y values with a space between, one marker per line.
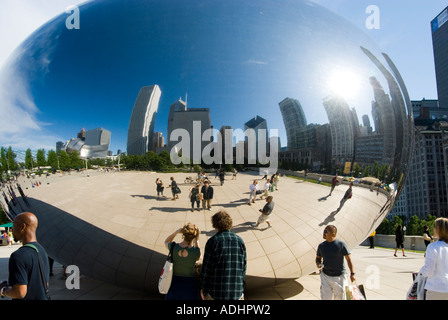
pixel 184 285
pixel 436 263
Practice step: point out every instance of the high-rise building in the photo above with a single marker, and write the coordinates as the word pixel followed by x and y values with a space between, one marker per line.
pixel 343 126
pixel 426 187
pixel 194 121
pixel 157 141
pixel 260 127
pixel 439 28
pixel 294 119
pixel 141 125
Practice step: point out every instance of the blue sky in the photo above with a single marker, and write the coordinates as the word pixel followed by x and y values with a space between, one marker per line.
pixel 404 34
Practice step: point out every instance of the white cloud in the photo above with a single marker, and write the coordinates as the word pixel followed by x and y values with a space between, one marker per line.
pixel 19 125
pixel 20 18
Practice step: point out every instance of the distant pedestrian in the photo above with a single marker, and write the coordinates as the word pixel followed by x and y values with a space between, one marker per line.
pixel 207 195
pixel 224 265
pixel 330 257
pixel 436 263
pixel 195 197
pixel 399 240
pixel 265 213
pixel 26 264
pixel 174 189
pixel 234 174
pixel 276 179
pixel 334 183
pixel 348 194
pixel 267 186
pixel 427 237
pixel 222 174
pixel 371 240
pixel 160 187
pixel 253 192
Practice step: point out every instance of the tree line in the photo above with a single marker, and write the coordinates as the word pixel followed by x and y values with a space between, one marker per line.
pixel 414 225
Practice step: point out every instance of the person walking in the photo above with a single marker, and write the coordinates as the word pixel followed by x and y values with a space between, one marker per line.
pixel 195 197
pixel 276 179
pixel 330 258
pixel 160 187
pixel 184 285
pixel 334 183
pixel 347 195
pixel 267 186
pixel 207 195
pixel 224 264
pixel 436 263
pixel 222 174
pixel 174 189
pixel 427 237
pixel 234 173
pixel 29 270
pixel 253 192
pixel 265 213
pixel 399 240
pixel 371 240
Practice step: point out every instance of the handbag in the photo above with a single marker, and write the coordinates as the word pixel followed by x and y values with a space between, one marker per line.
pixel 41 269
pixel 417 289
pixel 355 292
pixel 167 273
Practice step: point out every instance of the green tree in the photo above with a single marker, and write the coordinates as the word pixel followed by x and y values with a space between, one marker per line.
pixel 11 158
pixel 64 160
pixel 29 162
pixel 415 226
pixel 75 162
pixel 40 158
pixel 3 160
pixel 53 159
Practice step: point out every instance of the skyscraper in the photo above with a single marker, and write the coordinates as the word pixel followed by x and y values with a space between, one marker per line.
pixel 194 121
pixel 294 119
pixel 141 125
pixel 439 28
pixel 260 127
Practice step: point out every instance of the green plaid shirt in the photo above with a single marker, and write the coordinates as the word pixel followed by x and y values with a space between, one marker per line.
pixel 224 266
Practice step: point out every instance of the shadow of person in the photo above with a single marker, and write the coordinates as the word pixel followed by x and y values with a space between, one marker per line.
pixel 242 227
pixel 329 219
pixel 147 197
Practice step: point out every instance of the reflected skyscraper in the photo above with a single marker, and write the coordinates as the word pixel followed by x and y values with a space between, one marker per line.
pixel 179 105
pixel 141 125
pixel 294 118
pixel 401 109
pixel 195 121
pixel 343 129
pixel 258 124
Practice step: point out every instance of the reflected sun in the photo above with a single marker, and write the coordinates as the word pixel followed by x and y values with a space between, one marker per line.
pixel 344 83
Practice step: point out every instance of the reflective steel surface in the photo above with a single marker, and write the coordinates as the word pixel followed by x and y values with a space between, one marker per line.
pixel 338 102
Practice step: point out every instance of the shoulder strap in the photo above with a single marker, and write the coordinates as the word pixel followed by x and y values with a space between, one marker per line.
pixel 170 255
pixel 40 268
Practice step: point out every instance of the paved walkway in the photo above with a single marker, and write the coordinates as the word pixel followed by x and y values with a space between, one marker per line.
pixel 384 276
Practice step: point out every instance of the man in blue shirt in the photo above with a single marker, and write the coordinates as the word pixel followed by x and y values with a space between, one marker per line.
pixel 333 252
pixel 224 265
pixel 25 278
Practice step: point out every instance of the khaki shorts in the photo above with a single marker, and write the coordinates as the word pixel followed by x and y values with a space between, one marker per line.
pixel 263 218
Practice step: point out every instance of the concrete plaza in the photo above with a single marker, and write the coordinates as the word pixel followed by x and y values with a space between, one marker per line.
pixel 125 204
pixel 384 277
